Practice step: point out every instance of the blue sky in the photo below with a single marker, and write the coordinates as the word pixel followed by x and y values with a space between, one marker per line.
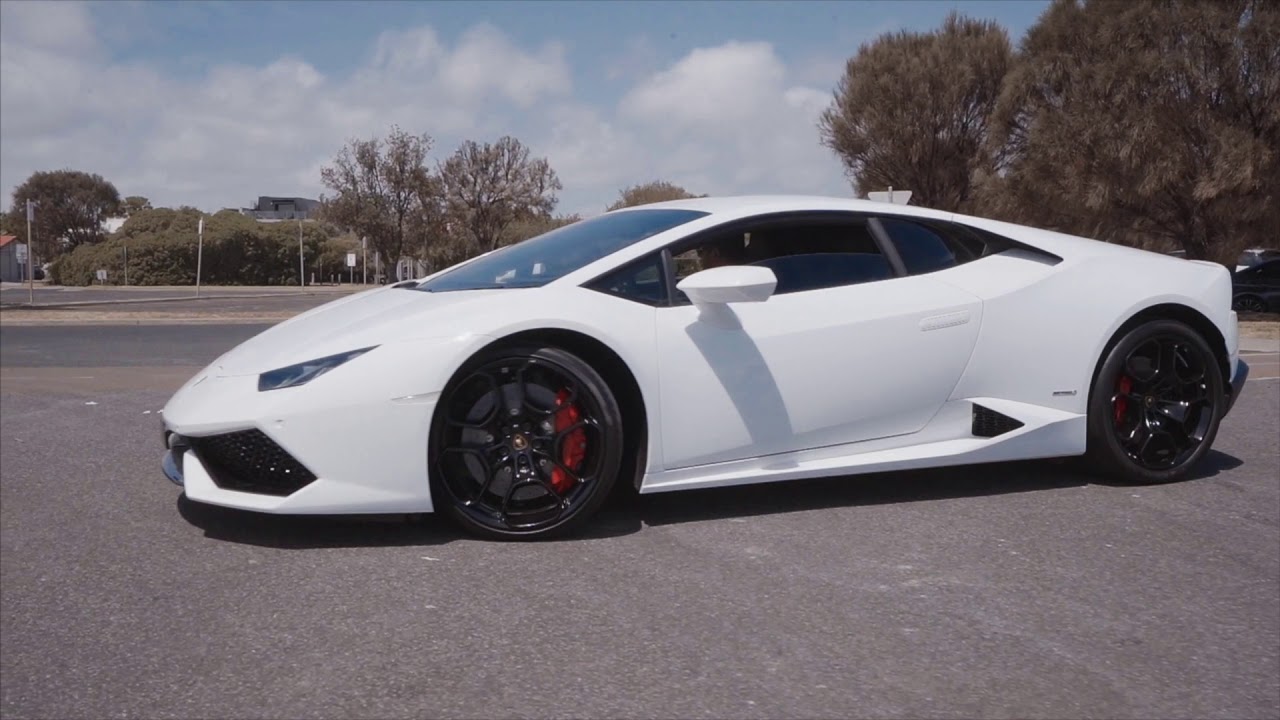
pixel 211 103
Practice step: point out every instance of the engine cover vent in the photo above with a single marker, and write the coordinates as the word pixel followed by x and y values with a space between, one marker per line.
pixel 989 423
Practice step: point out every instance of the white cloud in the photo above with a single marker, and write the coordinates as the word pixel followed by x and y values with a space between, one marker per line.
pixel 61 26
pixel 638 57
pixel 732 118
pixel 713 88
pixel 733 122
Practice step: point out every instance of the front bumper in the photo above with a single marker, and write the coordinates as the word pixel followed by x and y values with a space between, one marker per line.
pixel 356 435
pixel 1238 379
pixel 367 459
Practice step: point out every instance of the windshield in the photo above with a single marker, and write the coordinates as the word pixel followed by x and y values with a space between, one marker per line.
pixel 537 261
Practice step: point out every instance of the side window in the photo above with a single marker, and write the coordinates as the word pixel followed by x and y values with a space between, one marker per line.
pixel 730 248
pixel 642 281
pixel 804 255
pixel 924 249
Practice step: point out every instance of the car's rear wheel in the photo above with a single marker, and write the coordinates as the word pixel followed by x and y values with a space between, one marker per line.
pixel 526 444
pixel 1156 405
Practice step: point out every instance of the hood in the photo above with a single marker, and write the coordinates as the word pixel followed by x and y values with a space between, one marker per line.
pixel 375 317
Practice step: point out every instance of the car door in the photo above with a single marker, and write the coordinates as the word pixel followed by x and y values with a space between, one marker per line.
pixel 825 361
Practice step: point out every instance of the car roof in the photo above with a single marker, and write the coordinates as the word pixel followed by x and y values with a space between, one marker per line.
pixel 746 205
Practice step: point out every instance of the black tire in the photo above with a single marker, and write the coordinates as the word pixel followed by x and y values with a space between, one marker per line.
pixel 1248 303
pixel 503 443
pixel 1155 407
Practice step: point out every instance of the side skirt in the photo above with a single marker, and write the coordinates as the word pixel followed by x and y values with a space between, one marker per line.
pixel 949 439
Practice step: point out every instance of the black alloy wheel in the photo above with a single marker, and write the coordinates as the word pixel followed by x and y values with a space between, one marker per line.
pixel 1156 404
pixel 526 444
pixel 1249 303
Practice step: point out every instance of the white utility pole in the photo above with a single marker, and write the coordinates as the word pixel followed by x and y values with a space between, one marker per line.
pixel 31 256
pixel 302 275
pixel 199 253
pixel 364 260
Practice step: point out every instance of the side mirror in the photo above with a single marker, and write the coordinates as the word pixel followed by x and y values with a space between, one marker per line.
pixel 729 284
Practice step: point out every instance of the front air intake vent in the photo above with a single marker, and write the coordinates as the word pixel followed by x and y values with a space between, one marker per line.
pixel 251 462
pixel 989 423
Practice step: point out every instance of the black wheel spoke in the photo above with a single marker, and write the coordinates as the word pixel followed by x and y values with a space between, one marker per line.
pixel 577 477
pixel 543 483
pixel 1138 435
pixel 1175 411
pixel 1146 444
pixel 490 416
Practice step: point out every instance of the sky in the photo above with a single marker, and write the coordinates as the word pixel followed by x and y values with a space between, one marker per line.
pixel 212 104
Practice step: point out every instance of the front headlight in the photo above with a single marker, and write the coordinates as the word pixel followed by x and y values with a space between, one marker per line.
pixel 305 372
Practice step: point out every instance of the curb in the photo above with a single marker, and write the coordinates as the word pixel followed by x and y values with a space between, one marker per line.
pixel 192 320
pixel 137 301
pixel 1259 345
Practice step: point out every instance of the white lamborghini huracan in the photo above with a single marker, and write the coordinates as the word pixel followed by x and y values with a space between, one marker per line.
pixel 714 342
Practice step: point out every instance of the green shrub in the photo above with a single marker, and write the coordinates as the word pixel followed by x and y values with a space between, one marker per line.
pixel 161 246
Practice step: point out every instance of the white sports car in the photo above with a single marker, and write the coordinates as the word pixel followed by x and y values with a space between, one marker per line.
pixel 714 342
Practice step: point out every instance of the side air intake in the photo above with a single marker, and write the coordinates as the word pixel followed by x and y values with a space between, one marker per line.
pixel 989 423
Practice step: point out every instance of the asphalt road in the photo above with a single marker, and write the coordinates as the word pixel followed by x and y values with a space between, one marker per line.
pixel 15 293
pixel 1024 590
pixel 115 346
pixel 133 301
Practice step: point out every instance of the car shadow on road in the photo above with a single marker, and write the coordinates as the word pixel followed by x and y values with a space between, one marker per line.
pixel 881 489
pixel 302 532
pixel 627 512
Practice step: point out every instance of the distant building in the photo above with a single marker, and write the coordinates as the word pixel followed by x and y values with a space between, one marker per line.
pixel 10 269
pixel 275 209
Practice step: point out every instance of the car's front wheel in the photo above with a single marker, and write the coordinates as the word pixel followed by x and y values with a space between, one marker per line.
pixel 526 443
pixel 1156 405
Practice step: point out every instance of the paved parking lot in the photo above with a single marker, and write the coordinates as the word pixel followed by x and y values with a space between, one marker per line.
pixel 1024 590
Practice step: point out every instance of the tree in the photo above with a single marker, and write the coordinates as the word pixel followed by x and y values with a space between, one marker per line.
pixel 650 192
pixel 911 110
pixel 531 227
pixel 489 187
pixel 1151 122
pixel 133 205
pixel 386 192
pixel 70 209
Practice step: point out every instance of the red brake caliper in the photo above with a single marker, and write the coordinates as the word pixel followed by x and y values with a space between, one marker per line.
pixel 574 446
pixel 1123 387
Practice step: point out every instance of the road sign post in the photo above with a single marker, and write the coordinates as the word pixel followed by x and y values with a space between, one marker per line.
pixel 351 268
pixel 199 253
pixel 31 256
pixel 364 261
pixel 896 197
pixel 302 272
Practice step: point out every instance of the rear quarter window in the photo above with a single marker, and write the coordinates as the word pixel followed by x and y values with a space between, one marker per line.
pixel 925 249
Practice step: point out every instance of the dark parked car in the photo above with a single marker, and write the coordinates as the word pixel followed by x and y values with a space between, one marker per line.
pixel 1252 257
pixel 1257 288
